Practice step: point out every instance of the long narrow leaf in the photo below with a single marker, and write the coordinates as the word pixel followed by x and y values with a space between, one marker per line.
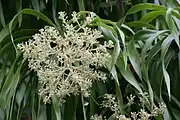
pixel 145 6
pixel 2 15
pixel 128 75
pixel 56 107
pixel 152 15
pixel 172 26
pixel 134 58
pixel 19 8
pixel 164 48
pixel 108 34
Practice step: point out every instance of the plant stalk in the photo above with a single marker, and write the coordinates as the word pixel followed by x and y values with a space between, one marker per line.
pixel 84 111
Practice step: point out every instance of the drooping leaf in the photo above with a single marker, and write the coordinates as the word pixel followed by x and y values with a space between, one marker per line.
pixel 143 34
pixel 128 28
pixel 122 38
pixel 127 74
pixel 20 93
pixel 152 15
pixel 134 58
pixel 140 24
pixel 172 26
pixel 2 15
pixel 118 90
pixel 108 34
pixel 156 48
pixel 19 8
pixel 164 48
pixel 145 6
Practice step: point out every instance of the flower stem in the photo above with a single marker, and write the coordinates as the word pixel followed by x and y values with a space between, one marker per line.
pixel 84 111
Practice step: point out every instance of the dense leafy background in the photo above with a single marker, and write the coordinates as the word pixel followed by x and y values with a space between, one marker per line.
pixel 146 56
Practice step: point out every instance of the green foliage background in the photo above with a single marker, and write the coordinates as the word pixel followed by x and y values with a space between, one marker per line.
pixel 146 57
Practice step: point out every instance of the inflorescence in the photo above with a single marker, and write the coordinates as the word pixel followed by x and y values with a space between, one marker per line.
pixel 66 65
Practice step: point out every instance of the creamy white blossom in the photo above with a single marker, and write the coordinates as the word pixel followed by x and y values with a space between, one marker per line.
pixel 96 117
pixel 66 65
pixel 111 102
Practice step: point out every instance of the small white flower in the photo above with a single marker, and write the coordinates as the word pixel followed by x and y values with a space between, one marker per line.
pixel 63 64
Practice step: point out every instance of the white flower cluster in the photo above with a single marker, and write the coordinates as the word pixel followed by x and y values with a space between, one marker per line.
pixel 96 117
pixel 111 102
pixel 66 65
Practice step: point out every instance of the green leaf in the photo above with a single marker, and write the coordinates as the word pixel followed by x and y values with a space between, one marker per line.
pixel 109 36
pixel 113 72
pixel 176 101
pixel 26 96
pixel 18 34
pixel 10 84
pixel 2 114
pixel 145 6
pixel 153 52
pixel 118 90
pixel 92 100
pixel 127 28
pixel 121 21
pixel 20 93
pixel 119 97
pixel 144 34
pixel 19 8
pixel 35 4
pixel 175 13
pixel 6 87
pixel 4 33
pixel 56 20
pixel 42 115
pixel 140 24
pixel 146 47
pixel 172 26
pixel 152 15
pixel 14 81
pixel 67 2
pixel 81 5
pixel 2 15
pixel 83 107
pixel 122 37
pixel 150 40
pixel 127 74
pixel 29 12
pixel 101 88
pixel 9 45
pixel 166 115
pixel 175 112
pixel 37 14
pixel 56 107
pixel 33 103
pixel 3 72
pixel 134 58
pixel 177 21
pixel 171 3
pixel 164 48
